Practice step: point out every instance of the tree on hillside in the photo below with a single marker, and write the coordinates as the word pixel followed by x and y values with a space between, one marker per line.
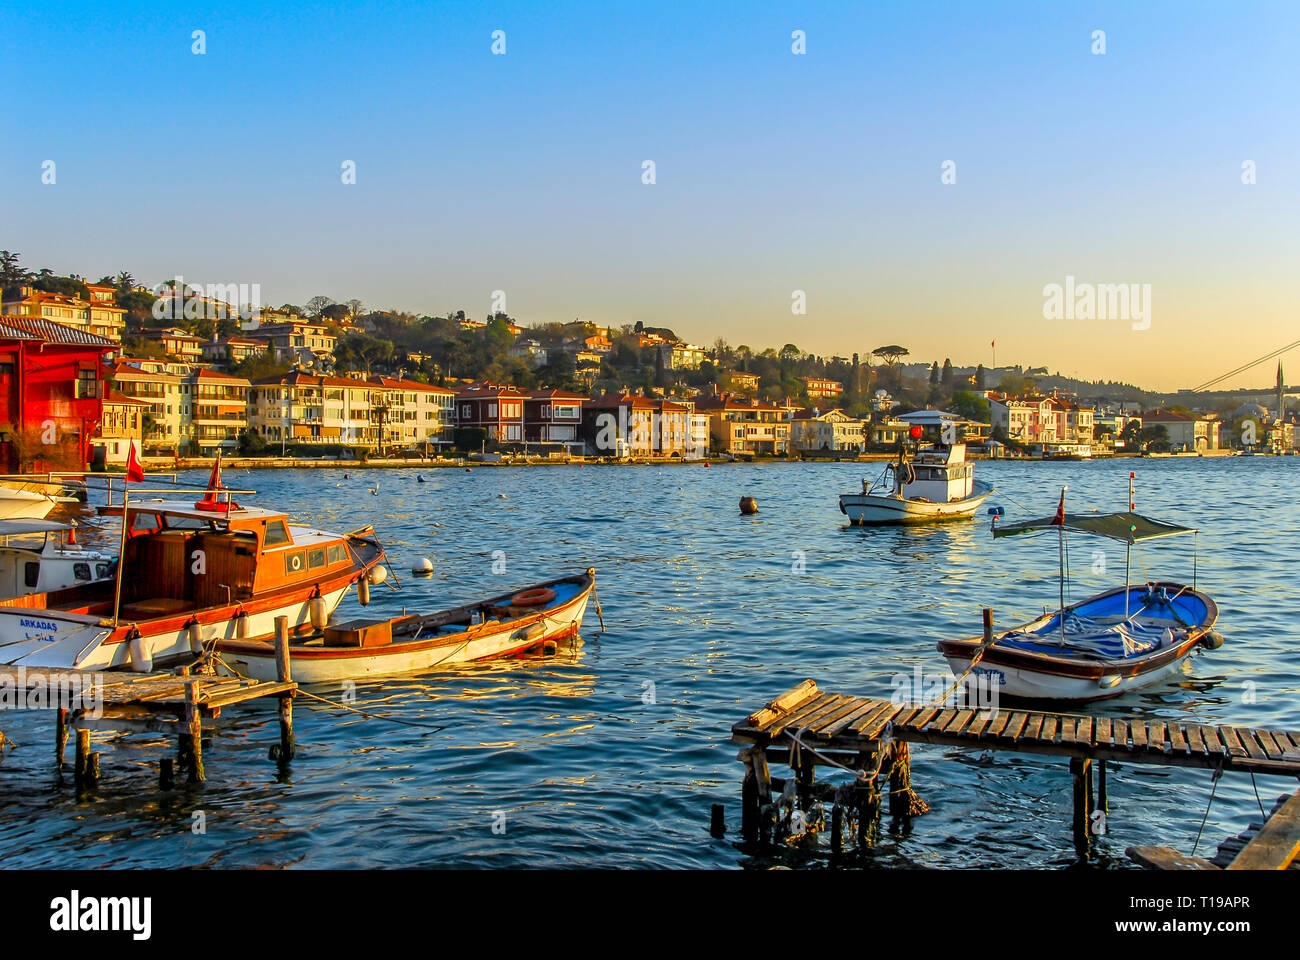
pixel 356 350
pixel 891 355
pixel 12 273
pixel 979 377
pixel 970 405
pixel 934 373
pixel 1015 385
pixel 316 304
pixel 946 379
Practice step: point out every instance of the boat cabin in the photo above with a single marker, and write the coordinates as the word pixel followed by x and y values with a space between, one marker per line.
pixel 198 558
pixel 54 562
pixel 937 473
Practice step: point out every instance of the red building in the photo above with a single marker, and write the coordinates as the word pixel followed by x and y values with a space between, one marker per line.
pixel 495 409
pixel 51 389
pixel 554 417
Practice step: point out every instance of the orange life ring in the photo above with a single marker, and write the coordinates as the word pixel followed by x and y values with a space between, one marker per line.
pixel 532 598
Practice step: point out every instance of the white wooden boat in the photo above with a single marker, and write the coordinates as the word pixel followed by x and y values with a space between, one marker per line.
pixel 191 573
pixel 1120 640
pixel 57 562
pixel 502 626
pixel 937 483
pixel 19 504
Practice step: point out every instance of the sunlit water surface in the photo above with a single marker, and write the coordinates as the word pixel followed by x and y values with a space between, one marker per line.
pixel 611 754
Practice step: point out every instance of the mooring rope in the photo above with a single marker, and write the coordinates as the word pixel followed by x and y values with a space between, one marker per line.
pixel 1214 785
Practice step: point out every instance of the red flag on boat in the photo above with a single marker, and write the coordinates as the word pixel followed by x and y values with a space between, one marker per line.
pixel 209 501
pixel 134 472
pixel 1059 519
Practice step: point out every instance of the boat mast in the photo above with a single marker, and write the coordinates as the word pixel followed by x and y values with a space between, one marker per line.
pixel 1061 560
pixel 1128 544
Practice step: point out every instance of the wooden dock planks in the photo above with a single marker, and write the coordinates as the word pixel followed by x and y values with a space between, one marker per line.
pixel 854 724
pixel 1278 842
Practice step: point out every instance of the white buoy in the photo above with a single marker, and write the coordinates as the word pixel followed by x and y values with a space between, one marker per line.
pixel 377 575
pixel 422 567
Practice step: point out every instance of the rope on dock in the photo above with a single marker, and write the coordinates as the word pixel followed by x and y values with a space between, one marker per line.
pixel 1214 785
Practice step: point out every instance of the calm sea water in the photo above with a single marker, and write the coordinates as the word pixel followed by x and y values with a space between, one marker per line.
pixel 610 754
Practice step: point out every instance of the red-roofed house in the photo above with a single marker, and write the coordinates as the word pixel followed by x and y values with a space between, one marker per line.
pixel 554 416
pixel 51 388
pixel 495 409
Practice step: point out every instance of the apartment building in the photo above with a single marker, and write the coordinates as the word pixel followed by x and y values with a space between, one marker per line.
pixel 819 388
pixel 681 356
pixel 164 429
pixel 1186 432
pixel 303 408
pixel 177 343
pixel 299 340
pixel 495 409
pixel 631 425
pixel 120 426
pixel 216 411
pixel 414 414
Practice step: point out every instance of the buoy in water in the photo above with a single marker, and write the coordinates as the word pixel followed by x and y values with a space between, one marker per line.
pixel 748 505
pixel 422 567
pixel 419 478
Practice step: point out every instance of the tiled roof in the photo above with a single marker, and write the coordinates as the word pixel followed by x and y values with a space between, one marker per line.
pixel 38 328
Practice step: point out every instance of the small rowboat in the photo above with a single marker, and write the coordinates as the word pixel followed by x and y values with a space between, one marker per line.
pixel 502 626
pixel 1102 652
pixel 1119 640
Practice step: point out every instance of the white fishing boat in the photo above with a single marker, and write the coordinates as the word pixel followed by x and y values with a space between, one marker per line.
pixel 55 562
pixel 190 574
pixel 18 503
pixel 503 626
pixel 936 483
pixel 1119 640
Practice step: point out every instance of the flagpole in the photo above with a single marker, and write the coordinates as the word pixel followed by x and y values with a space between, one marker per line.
pixel 121 559
pixel 1061 559
pixel 1128 544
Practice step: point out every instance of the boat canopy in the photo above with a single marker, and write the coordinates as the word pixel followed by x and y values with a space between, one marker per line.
pixel 1127 527
pixel 18 527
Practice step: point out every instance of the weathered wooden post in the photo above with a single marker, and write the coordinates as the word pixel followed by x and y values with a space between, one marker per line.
pixel 60 738
pixel 1081 771
pixel 1103 801
pixel 82 756
pixel 837 828
pixel 717 822
pixel 194 737
pixel 903 801
pixel 284 673
pixel 749 807
pixel 92 769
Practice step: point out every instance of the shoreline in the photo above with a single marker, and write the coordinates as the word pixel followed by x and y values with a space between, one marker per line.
pixel 169 464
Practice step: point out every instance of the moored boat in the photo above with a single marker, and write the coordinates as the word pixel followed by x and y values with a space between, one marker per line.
pixel 57 562
pixel 936 483
pixel 501 626
pixel 191 573
pixel 1119 640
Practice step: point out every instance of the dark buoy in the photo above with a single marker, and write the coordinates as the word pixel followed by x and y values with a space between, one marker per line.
pixel 345 476
pixel 419 478
pixel 717 827
pixel 748 505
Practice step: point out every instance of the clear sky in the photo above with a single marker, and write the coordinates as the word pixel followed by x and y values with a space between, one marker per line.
pixel 775 172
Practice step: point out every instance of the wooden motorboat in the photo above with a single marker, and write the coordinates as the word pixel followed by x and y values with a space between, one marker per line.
pixel 191 573
pixel 502 626
pixel 1119 640
pixel 936 483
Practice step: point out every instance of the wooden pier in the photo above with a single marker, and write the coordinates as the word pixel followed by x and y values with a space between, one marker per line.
pixel 169 703
pixel 805 728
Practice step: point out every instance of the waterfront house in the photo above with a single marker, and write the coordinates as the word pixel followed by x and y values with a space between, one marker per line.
pixel 120 426
pixel 51 390
pixel 554 417
pixel 1186 432
pixel 742 425
pixel 631 425
pixel 494 409
pixel 310 409
pixel 814 429
pixel 415 415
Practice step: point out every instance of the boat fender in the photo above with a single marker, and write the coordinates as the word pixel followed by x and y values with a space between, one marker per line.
pixel 241 625
pixel 377 575
pixel 1212 641
pixel 141 657
pixel 532 598
pixel 316 610
pixel 1110 682
pixel 363 592
pixel 196 636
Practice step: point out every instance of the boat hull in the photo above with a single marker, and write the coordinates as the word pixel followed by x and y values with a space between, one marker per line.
pixel 869 509
pixel 315 663
pixel 1029 675
pixel 24 504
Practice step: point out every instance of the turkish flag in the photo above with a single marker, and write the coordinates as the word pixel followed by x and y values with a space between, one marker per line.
pixel 134 472
pixel 1059 519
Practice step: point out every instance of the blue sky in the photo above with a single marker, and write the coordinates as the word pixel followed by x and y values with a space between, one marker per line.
pixel 774 172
